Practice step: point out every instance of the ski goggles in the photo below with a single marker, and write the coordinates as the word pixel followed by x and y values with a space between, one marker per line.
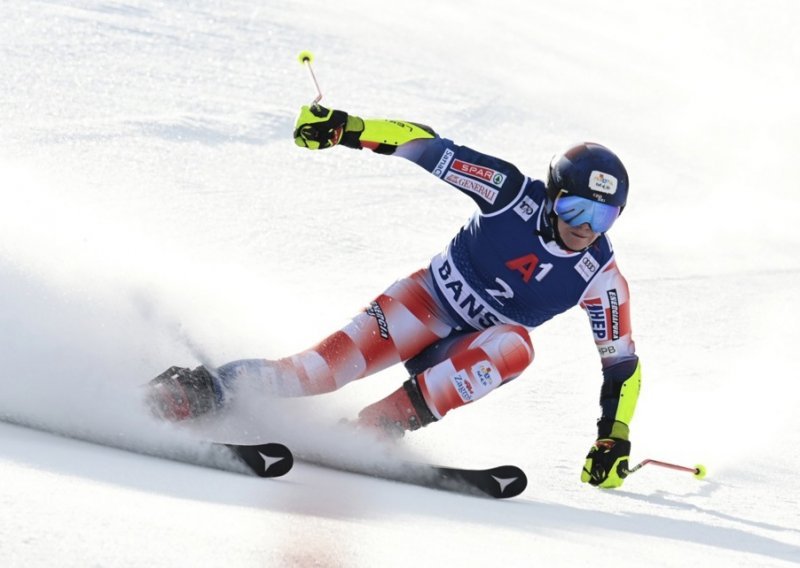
pixel 575 211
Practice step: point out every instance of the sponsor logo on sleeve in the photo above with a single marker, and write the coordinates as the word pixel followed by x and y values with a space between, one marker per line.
pixel 603 182
pixel 526 208
pixel 597 318
pixel 444 161
pixel 480 172
pixel 613 313
pixel 587 266
pixel 608 350
pixel 482 190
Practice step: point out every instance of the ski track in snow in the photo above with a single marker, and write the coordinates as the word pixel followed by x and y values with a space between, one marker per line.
pixel 155 212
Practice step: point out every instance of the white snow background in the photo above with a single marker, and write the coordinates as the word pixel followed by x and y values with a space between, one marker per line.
pixel 154 210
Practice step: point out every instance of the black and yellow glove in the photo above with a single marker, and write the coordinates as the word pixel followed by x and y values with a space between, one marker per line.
pixel 318 128
pixel 606 463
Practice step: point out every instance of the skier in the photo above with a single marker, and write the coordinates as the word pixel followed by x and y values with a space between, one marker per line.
pixel 532 251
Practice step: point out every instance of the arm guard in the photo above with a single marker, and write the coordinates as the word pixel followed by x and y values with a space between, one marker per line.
pixel 618 397
pixel 382 136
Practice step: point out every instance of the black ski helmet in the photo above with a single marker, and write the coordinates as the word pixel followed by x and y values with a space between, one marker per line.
pixel 591 171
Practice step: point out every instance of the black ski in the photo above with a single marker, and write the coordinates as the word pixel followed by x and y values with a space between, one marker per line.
pixel 265 460
pixel 500 482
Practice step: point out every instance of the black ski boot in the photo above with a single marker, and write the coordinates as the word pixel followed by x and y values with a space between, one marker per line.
pixel 180 394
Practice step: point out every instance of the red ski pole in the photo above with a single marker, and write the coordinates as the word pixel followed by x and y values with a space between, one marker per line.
pixel 699 471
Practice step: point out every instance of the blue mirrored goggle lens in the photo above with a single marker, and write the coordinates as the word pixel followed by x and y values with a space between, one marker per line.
pixel 576 211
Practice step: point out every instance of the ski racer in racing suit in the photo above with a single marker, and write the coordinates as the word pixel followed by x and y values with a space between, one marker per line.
pixel 533 250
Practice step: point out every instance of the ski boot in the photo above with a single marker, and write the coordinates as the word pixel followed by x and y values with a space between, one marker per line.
pixel 403 410
pixel 180 394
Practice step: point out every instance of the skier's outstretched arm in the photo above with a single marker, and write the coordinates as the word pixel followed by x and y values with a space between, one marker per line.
pixel 491 182
pixel 318 128
pixel 607 303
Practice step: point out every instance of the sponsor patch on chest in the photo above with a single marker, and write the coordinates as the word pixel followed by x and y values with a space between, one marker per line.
pixel 587 266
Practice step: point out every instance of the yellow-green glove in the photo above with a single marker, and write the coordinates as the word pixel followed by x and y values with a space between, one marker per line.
pixel 606 464
pixel 318 128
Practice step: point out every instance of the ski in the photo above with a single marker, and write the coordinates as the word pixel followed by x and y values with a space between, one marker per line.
pixel 500 482
pixel 264 460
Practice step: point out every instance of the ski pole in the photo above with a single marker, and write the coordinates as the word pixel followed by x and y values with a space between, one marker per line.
pixel 305 58
pixel 699 471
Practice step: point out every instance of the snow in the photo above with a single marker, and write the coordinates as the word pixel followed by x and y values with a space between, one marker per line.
pixel 155 211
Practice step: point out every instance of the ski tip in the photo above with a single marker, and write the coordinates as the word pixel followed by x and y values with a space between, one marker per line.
pixel 265 460
pixel 502 482
pixel 509 481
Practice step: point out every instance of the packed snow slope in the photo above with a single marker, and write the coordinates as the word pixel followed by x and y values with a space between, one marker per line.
pixel 155 211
